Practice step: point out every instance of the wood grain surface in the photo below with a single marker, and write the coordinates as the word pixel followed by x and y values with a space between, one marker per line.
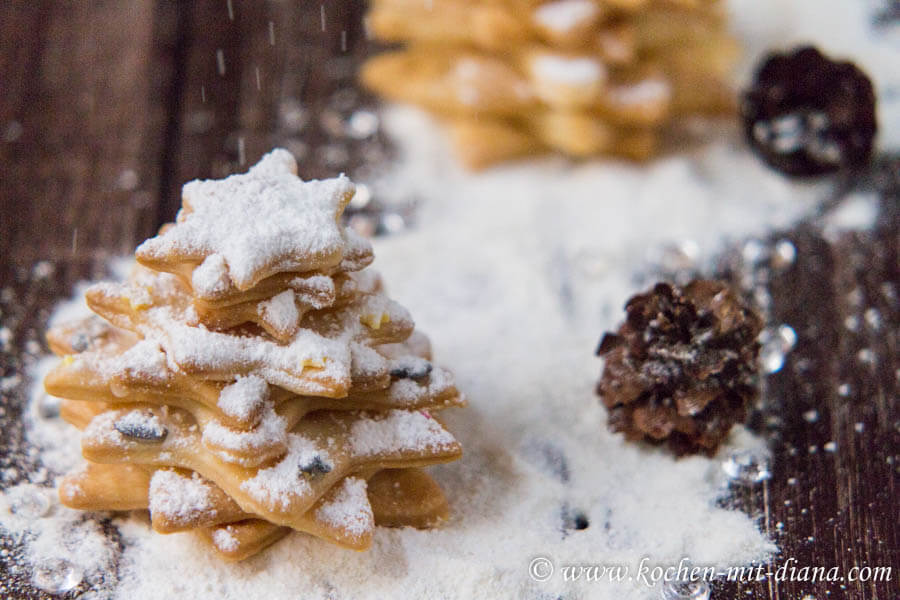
pixel 107 107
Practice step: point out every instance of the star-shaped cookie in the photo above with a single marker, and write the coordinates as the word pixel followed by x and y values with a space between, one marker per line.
pixel 255 224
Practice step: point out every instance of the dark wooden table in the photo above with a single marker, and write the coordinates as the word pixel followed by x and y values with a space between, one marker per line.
pixel 107 107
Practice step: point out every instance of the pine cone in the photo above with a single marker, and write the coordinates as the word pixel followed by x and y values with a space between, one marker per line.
pixel 808 115
pixel 681 368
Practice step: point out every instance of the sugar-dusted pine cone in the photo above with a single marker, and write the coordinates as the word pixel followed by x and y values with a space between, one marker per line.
pixel 681 369
pixel 808 115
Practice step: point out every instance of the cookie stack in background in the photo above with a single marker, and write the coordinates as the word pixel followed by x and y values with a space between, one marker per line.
pixel 581 77
pixel 249 377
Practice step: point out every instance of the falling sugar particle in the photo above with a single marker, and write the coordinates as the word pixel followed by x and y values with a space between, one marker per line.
pixel 272 33
pixel 56 576
pixel 230 11
pixel 242 154
pixel 322 14
pixel 830 447
pixel 258 82
pixel 792 481
pixel 220 61
pixel 811 416
pixel 859 427
pixel 844 390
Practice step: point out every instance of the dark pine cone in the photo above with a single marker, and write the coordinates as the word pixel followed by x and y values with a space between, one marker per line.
pixel 681 368
pixel 808 115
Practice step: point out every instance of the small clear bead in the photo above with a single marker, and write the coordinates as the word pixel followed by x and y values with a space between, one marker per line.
pixel 873 318
pixel 393 223
pixel 685 590
pixel 776 343
pixel 362 197
pixel 747 467
pixel 362 124
pixel 56 575
pixel 48 406
pixel 785 253
pixel 753 251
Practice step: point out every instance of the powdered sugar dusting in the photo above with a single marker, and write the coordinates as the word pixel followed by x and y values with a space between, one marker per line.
pixel 400 430
pixel 244 397
pixel 349 510
pixel 408 391
pixel 144 361
pixel 164 316
pixel 224 539
pixel 280 312
pixel 211 277
pixel 253 446
pixel 180 498
pixel 275 486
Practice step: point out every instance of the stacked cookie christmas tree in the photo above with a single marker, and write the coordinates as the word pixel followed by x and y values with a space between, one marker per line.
pixel 250 377
pixel 581 77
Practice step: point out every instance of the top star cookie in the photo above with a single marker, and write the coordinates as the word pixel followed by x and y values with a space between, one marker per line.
pixel 254 225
